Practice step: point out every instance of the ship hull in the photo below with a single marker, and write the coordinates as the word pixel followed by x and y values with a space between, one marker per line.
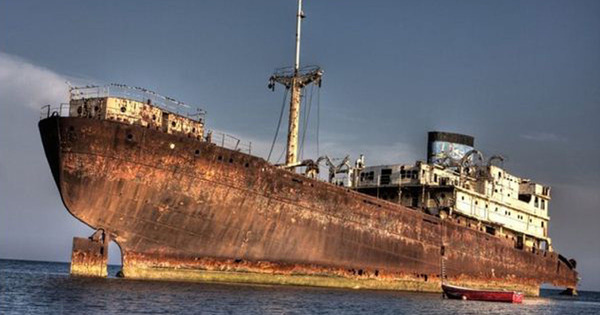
pixel 182 209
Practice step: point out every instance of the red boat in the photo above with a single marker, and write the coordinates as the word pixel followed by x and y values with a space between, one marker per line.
pixel 454 292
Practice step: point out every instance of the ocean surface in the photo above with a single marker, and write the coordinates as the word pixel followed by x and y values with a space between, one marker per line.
pixel 31 287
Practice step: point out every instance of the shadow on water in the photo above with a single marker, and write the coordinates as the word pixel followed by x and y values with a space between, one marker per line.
pixel 41 287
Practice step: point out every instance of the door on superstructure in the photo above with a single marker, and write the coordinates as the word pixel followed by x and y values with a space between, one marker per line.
pixel 520 242
pixel 165 122
pixel 415 201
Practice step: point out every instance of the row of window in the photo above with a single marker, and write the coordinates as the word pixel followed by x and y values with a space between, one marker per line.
pixel 414 174
pixel 367 176
pixel 506 212
pixel 386 175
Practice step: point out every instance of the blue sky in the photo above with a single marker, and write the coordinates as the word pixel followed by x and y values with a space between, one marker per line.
pixel 520 76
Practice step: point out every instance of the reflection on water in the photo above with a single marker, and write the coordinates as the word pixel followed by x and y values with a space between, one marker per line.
pixel 42 287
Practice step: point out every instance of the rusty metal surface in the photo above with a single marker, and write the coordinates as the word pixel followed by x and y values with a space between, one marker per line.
pixel 89 257
pixel 175 202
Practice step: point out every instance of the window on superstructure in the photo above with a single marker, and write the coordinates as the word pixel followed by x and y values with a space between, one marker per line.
pixel 542 223
pixel 543 205
pixel 536 203
pixel 435 178
pixel 385 178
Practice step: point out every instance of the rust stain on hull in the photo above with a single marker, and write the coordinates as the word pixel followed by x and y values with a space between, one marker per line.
pixel 178 207
pixel 89 257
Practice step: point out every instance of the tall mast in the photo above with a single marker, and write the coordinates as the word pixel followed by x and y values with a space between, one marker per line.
pixel 299 17
pixel 291 155
pixel 295 79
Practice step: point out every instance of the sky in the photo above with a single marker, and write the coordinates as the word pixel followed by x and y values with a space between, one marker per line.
pixel 520 76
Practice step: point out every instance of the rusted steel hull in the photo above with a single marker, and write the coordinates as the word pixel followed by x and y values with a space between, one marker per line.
pixel 184 209
pixel 89 258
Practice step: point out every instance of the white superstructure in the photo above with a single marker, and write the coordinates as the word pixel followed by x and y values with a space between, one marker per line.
pixel 475 193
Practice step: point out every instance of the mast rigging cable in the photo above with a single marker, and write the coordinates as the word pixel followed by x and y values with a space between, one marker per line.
pixel 278 124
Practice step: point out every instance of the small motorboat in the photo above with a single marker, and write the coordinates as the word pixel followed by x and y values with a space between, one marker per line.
pixel 455 292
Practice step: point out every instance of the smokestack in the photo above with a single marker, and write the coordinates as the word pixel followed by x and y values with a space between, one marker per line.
pixel 441 145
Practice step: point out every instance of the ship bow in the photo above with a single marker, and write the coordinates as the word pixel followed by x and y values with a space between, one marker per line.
pixel 50 134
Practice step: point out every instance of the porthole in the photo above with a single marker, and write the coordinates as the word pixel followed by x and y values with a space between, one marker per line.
pixel 219 158
pixel 123 109
pixel 230 160
pixel 172 146
pixel 247 164
pixel 197 152
pixel 173 124
pixel 96 108
pixel 129 137
pixel 153 117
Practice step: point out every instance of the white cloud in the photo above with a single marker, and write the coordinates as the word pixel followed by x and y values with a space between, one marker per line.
pixel 25 84
pixel 543 136
pixel 34 223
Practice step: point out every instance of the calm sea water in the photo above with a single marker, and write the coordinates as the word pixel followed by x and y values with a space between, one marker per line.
pixel 28 287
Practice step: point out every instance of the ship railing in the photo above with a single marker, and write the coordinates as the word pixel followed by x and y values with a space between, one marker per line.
pixel 229 142
pixel 61 110
pixel 139 94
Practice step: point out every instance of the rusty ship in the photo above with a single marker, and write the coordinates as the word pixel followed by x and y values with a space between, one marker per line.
pixel 183 203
